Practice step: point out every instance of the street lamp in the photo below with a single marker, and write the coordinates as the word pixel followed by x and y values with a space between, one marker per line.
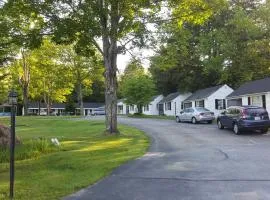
pixel 12 100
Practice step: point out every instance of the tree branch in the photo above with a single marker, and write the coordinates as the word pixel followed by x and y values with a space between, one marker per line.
pixel 97 46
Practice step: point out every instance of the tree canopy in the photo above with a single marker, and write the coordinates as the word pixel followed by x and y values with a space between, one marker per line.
pixel 231 46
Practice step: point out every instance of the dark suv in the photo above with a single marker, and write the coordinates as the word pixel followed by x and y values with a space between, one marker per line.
pixel 241 118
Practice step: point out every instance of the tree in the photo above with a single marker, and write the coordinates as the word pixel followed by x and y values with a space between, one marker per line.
pixel 53 78
pixel 5 82
pixel 85 71
pixel 133 68
pixel 21 74
pixel 113 22
pixel 7 47
pixel 138 90
pixel 229 47
pixel 19 33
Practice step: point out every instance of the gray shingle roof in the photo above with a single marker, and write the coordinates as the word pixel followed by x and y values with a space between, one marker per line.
pixel 203 93
pixel 154 97
pixel 120 100
pixel 170 97
pixel 252 87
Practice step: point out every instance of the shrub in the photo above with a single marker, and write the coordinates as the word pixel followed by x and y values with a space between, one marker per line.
pixel 31 149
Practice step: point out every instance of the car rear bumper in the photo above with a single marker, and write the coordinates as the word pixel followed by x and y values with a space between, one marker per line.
pixel 254 125
pixel 203 118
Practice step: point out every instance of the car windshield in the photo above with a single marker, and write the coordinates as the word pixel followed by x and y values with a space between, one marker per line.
pixel 202 110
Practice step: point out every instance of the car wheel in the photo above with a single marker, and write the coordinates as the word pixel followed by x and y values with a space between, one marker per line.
pixel 220 126
pixel 178 119
pixel 236 129
pixel 193 120
pixel 264 131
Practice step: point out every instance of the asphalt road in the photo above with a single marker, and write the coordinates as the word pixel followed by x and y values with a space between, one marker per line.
pixel 189 162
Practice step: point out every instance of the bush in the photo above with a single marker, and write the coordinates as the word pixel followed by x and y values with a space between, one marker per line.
pixel 31 149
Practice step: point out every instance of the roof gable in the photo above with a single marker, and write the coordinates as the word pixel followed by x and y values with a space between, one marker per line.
pixel 252 87
pixel 170 97
pixel 156 96
pixel 203 93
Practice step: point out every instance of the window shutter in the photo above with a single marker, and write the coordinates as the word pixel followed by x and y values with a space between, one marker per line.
pixel 216 104
pixel 263 101
pixel 224 103
pixel 249 101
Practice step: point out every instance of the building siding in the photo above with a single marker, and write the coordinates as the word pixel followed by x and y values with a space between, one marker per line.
pixel 245 99
pixel 176 104
pixel 153 106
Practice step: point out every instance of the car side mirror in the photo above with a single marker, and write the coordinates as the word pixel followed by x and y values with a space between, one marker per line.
pixel 181 112
pixel 223 113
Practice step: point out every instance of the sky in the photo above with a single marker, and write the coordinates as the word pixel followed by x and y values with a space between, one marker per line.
pixel 123 60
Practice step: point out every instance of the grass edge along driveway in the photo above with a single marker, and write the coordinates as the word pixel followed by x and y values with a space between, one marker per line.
pixel 85 156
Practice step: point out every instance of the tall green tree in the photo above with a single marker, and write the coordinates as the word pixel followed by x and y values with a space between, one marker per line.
pixel 133 68
pixel 138 90
pixel 229 47
pixel 107 25
pixel 85 71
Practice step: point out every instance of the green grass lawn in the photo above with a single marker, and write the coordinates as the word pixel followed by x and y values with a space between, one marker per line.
pixel 85 156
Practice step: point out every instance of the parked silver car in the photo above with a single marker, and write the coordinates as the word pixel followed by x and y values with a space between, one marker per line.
pixel 99 111
pixel 194 115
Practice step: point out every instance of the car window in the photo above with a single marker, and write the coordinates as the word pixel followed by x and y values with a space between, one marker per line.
pixel 190 110
pixel 202 110
pixel 255 111
pixel 230 111
pixel 185 110
pixel 233 111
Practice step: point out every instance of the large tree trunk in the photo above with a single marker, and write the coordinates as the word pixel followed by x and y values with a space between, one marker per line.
pixel 80 98
pixel 110 57
pixel 25 100
pixel 110 24
pixel 24 82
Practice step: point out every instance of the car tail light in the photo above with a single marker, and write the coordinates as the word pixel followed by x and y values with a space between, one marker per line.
pixel 244 114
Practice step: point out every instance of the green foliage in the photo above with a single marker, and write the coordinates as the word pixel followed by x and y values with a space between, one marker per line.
pixel 138 90
pixel 31 149
pixel 231 46
pixel 195 11
pixel 70 106
pixel 5 81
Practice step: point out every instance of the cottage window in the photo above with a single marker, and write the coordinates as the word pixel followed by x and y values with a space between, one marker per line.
pixel 220 104
pixel 131 108
pixel 199 103
pixel 188 105
pixel 168 106
pixel 146 108
pixel 256 101
pixel 120 109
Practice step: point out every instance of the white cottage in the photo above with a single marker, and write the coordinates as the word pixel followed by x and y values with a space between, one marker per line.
pixel 36 108
pixel 121 107
pixel 256 93
pixel 212 98
pixel 152 107
pixel 124 109
pixel 171 104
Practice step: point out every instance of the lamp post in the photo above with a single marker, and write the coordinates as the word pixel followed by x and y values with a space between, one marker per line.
pixel 12 99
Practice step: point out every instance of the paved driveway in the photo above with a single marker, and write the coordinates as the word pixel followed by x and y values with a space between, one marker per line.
pixel 190 162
